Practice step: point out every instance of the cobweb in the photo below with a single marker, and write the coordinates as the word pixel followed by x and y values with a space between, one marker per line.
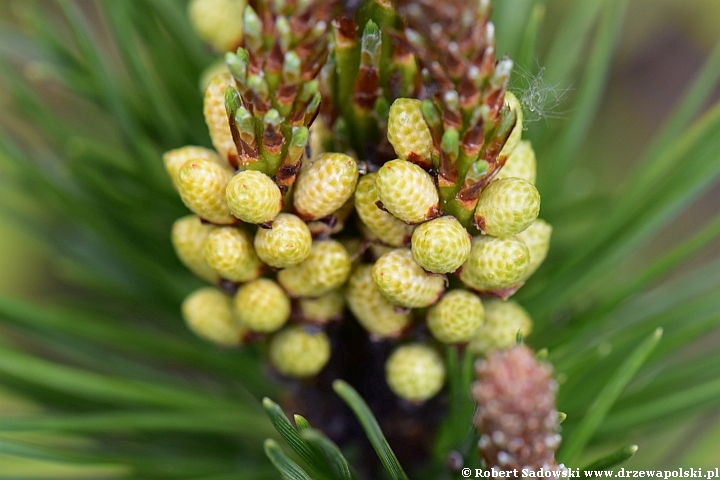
pixel 540 100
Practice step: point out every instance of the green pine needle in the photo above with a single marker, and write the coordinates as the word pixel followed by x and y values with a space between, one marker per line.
pixel 612 460
pixel 575 443
pixel 372 429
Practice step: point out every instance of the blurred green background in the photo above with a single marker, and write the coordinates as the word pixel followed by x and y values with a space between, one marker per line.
pixel 663 45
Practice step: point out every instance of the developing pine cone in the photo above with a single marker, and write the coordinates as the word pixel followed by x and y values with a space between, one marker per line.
pixel 516 416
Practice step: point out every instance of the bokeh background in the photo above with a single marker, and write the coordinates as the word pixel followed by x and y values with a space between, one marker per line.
pixel 663 45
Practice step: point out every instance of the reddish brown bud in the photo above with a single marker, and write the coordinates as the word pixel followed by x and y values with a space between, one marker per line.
pixel 516 416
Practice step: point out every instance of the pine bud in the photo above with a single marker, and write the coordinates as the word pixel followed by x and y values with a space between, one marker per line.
pixel 503 321
pixel 325 186
pixel 334 223
pixel 407 191
pixel 262 306
pixel 293 281
pixel 516 416
pixel 408 133
pixel 218 22
pixel 253 197
pixel 456 317
pixel 323 309
pixel 403 281
pixel 537 238
pixel 385 227
pixel 297 353
pixel 216 117
pixel 520 164
pixel 495 263
pixel 175 159
pixel 507 207
pixel 370 308
pixel 285 244
pixel 201 185
pixel 229 251
pixel 441 245
pixel 208 313
pixel 325 269
pixel 415 372
pixel 321 138
pixel 188 238
pixel 514 139
pixel 377 248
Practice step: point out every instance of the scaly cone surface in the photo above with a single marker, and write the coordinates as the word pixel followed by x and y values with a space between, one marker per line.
pixel 274 96
pixel 465 90
pixel 516 416
pixel 359 173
